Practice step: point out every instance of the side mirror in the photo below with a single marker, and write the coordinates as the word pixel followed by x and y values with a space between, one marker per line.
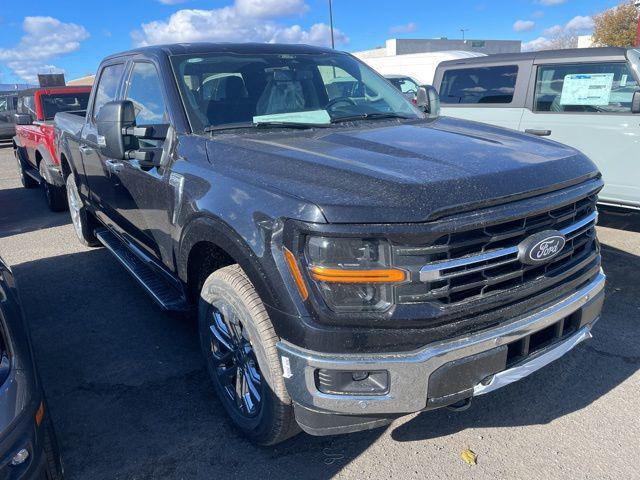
pixel 427 99
pixel 112 119
pixel 23 119
pixel 635 102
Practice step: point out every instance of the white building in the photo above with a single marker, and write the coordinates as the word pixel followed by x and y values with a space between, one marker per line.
pixel 585 41
pixel 404 46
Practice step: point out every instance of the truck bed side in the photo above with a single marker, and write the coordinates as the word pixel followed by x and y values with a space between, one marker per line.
pixel 68 131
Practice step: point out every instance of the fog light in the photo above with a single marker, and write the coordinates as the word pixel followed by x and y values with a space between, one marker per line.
pixel 20 457
pixel 347 382
pixel 359 376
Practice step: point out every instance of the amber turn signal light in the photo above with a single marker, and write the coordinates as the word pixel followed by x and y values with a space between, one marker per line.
pixel 295 272
pixel 40 414
pixel 336 275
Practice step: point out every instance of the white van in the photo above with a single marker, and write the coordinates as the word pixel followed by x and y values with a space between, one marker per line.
pixel 421 66
pixel 586 98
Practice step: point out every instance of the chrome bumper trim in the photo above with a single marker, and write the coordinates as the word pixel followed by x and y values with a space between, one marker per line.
pixel 519 372
pixel 409 372
pixel 437 270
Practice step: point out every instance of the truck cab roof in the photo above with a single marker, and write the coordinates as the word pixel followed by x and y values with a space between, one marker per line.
pixel 574 54
pixel 213 47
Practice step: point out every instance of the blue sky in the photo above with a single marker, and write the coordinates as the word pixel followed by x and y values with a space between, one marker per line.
pixel 72 36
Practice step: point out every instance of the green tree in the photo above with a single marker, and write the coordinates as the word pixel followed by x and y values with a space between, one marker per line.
pixel 617 26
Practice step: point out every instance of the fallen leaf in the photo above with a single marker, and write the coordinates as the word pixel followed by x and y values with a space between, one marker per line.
pixel 469 457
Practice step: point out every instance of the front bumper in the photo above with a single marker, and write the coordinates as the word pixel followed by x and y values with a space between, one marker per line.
pixel 439 374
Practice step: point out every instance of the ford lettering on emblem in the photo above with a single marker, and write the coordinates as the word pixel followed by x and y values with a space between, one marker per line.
pixel 541 247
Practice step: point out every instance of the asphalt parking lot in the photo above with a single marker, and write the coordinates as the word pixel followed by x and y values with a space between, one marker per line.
pixel 131 399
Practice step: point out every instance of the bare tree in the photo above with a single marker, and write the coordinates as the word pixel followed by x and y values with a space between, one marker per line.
pixel 562 41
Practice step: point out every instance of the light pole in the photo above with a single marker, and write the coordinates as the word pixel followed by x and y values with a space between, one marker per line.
pixel 463 30
pixel 333 44
pixel 637 4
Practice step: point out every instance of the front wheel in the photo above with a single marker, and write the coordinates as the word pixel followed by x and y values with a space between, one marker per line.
pixel 239 345
pixel 81 219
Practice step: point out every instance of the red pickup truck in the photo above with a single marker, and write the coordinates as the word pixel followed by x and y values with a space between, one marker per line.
pixel 34 144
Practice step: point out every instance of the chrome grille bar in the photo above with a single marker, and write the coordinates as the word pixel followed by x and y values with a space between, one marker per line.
pixel 438 270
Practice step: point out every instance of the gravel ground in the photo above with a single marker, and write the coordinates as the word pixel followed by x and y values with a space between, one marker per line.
pixel 131 399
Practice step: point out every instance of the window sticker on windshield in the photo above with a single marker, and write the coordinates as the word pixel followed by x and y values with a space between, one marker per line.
pixel 587 89
pixel 319 117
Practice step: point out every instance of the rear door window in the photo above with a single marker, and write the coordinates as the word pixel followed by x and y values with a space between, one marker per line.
pixel 586 88
pixel 107 88
pixel 485 85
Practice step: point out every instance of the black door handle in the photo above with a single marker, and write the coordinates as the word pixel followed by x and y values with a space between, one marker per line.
pixel 540 133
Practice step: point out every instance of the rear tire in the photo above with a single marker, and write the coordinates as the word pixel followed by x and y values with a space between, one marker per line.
pixel 238 341
pixel 82 221
pixel 55 196
pixel 26 180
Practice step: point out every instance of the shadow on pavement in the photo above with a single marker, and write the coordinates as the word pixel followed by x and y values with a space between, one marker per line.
pixel 619 218
pixel 25 210
pixel 568 385
pixel 128 389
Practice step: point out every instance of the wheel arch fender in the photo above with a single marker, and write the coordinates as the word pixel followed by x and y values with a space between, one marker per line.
pixel 18 148
pixel 207 228
pixel 52 172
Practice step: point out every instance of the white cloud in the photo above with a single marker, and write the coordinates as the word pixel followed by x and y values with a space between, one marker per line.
pixel 405 28
pixel 45 38
pixel 270 8
pixel 551 3
pixel 579 23
pixel 539 43
pixel 576 26
pixel 553 31
pixel 524 25
pixel 244 21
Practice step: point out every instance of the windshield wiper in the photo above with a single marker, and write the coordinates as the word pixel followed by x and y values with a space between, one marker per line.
pixel 233 126
pixel 369 116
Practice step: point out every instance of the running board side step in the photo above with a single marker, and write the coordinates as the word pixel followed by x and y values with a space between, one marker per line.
pixel 161 290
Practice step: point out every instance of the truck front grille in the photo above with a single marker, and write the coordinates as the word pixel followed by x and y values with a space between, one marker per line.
pixel 481 263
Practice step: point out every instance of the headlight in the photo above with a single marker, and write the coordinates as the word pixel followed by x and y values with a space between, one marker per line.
pixel 352 274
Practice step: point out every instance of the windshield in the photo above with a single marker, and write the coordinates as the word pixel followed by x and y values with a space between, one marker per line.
pixel 221 89
pixel 63 102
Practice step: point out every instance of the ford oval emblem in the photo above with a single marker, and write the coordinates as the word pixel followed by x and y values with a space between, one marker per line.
pixel 541 247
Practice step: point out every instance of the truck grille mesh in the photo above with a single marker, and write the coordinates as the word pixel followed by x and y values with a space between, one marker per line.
pixel 480 263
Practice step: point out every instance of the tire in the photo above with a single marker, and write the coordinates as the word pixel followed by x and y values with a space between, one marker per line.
pixel 26 180
pixel 54 469
pixel 83 222
pixel 56 197
pixel 229 302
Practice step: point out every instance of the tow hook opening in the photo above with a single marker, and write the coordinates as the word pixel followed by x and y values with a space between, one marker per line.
pixel 460 406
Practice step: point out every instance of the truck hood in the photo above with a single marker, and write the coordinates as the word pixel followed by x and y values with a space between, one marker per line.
pixel 392 172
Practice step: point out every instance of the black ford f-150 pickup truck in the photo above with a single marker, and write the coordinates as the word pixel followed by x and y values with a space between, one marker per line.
pixel 351 258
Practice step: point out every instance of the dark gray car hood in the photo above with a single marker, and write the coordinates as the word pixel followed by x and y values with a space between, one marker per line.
pixel 391 172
